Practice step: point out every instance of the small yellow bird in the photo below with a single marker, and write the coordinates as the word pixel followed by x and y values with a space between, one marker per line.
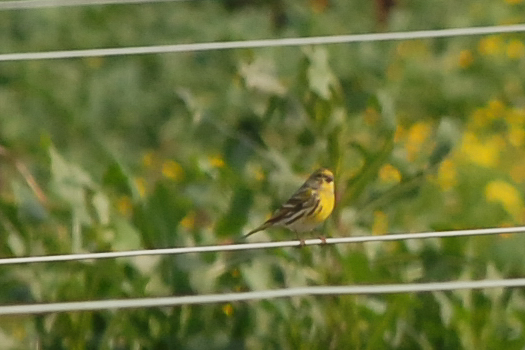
pixel 307 208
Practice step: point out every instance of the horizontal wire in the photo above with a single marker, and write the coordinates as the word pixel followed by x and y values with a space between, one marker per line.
pixel 335 39
pixel 33 4
pixel 262 245
pixel 256 295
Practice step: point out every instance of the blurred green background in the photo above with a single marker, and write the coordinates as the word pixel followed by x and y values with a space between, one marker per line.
pixel 153 151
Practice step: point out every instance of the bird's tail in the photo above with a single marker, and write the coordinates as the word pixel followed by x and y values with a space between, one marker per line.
pixel 260 228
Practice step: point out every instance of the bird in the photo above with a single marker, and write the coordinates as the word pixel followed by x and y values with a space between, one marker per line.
pixel 307 208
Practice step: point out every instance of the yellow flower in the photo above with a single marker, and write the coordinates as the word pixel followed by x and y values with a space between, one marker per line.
pixel 515 49
pixel 217 161
pixel 389 174
pixel 94 62
pixel 124 205
pixel 400 133
pixel 141 185
pixel 417 135
pixel 380 225
pixel 490 45
pixel 148 159
pixel 447 175
pixel 227 309
pixel 371 116
pixel 172 170
pixel 19 332
pixel 516 136
pixel 259 174
pixel 403 48
pixel 517 172
pixel 412 48
pixel 188 222
pixel 394 71
pixel 499 191
pixel 516 117
pixel 479 118
pixel 484 154
pixel 495 109
pixel 484 117
pixel 465 59
pixel 513 2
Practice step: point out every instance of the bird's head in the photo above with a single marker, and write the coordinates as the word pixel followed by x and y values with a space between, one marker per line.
pixel 322 178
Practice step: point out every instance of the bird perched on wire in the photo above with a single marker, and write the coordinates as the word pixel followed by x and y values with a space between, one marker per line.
pixel 308 207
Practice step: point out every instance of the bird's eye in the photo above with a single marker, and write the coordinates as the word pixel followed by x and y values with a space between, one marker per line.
pixel 329 178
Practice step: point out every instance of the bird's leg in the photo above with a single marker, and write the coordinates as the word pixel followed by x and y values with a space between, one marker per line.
pixel 301 241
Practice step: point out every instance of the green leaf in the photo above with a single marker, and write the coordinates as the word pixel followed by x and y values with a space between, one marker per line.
pixel 159 216
pixel 69 182
pixel 231 224
pixel 102 207
pixel 29 208
pixel 448 134
pixel 126 236
pixel 116 177
pixel 260 74
pixel 320 76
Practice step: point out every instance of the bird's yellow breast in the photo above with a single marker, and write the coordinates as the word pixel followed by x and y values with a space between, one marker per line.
pixel 326 194
pixel 325 208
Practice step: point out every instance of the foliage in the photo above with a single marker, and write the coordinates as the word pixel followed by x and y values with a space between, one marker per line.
pixel 153 151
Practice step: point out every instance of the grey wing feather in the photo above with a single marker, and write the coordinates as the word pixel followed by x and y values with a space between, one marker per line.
pixel 301 199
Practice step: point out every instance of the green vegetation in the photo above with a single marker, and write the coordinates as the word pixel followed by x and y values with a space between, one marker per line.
pixel 168 150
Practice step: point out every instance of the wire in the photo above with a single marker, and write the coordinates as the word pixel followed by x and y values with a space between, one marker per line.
pixel 320 40
pixel 262 245
pixel 33 4
pixel 253 295
pixel 257 295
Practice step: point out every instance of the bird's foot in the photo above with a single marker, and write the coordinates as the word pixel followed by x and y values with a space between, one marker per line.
pixel 323 240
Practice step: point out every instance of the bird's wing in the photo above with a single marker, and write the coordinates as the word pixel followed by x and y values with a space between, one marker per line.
pixel 300 200
pixel 291 210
